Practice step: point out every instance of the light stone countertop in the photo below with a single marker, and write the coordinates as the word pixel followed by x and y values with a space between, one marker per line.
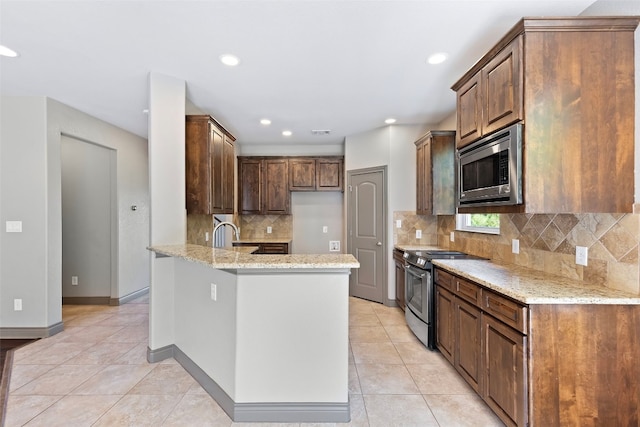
pixel 531 286
pixel 240 260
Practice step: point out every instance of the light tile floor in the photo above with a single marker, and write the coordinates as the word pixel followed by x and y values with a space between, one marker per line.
pixel 95 373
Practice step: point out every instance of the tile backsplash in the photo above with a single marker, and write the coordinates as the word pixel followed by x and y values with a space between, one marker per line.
pixel 547 243
pixel 255 226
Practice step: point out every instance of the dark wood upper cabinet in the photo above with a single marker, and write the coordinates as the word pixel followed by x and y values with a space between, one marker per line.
pixel 316 174
pixel 435 173
pixel 209 166
pixel 302 174
pixel 277 198
pixel 250 188
pixel 329 174
pixel 571 82
pixel 263 186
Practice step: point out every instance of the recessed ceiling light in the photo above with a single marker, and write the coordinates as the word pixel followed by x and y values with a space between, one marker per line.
pixel 286 132
pixel 5 51
pixel 390 121
pixel 265 122
pixel 230 60
pixel 437 58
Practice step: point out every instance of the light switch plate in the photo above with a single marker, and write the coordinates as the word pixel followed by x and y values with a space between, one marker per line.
pixel 418 234
pixel 325 229
pixel 269 230
pixel 452 237
pixel 14 226
pixel 17 304
pixel 334 246
pixel 515 246
pixel 214 292
pixel 398 223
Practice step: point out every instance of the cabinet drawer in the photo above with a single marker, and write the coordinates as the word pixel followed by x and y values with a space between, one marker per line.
pixel 505 310
pixel 274 248
pixel 444 279
pixel 468 291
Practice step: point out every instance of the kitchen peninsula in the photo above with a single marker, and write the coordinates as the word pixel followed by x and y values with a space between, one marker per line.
pixel 265 335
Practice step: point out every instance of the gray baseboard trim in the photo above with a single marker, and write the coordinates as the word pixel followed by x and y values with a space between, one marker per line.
pixel 85 300
pixel 160 354
pixel 125 299
pixel 257 412
pixel 31 333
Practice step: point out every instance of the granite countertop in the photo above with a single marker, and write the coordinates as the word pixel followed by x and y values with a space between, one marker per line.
pixel 240 260
pixel 531 286
pixel 264 240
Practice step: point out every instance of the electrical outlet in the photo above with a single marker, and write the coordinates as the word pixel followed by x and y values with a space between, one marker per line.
pixel 398 223
pixel 325 229
pixel 582 255
pixel 74 280
pixel 418 234
pixel 206 236
pixel 269 230
pixel 334 246
pixel 452 237
pixel 214 292
pixel 17 304
pixel 515 246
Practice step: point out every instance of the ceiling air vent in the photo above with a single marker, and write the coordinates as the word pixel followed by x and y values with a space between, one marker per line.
pixel 320 132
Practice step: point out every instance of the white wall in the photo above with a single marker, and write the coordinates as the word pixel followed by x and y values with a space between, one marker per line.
pixel 394 147
pixel 31 192
pixel 24 257
pixel 312 210
pixel 167 98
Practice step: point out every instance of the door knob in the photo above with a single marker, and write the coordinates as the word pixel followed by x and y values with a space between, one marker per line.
pixel 379 244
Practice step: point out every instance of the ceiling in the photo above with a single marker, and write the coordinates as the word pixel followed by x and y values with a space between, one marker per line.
pixel 336 65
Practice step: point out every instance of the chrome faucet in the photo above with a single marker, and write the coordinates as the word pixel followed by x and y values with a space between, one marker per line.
pixel 233 226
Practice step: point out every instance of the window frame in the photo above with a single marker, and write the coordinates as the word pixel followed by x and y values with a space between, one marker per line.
pixel 463 223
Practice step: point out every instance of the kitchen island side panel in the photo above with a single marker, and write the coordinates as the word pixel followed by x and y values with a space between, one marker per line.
pixel 292 337
pixel 205 330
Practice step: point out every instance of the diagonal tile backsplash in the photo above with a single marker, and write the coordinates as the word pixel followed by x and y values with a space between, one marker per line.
pixel 547 243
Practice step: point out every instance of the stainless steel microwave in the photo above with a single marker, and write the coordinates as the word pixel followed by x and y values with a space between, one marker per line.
pixel 490 169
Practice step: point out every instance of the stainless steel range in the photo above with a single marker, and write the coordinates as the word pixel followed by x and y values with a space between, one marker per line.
pixel 420 292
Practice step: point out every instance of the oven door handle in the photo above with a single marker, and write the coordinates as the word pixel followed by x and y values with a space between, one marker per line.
pixel 412 271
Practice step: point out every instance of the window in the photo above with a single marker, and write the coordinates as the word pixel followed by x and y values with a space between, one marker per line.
pixel 478 223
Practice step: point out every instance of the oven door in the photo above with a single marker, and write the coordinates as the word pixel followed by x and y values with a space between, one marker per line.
pixel 417 293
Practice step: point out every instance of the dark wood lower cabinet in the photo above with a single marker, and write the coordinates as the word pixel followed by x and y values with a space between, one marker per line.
pixel 467 333
pixel 542 365
pixel 504 386
pixel 444 322
pixel 267 248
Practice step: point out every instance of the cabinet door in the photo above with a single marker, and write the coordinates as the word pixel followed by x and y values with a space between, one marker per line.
pixel 420 179
pixel 276 187
pixel 469 112
pixel 504 386
pixel 329 174
pixel 302 174
pixel 198 166
pixel 250 186
pixel 228 179
pixel 444 322
pixel 467 338
pixel 502 99
pixel 443 175
pixel 216 139
pixel 424 186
